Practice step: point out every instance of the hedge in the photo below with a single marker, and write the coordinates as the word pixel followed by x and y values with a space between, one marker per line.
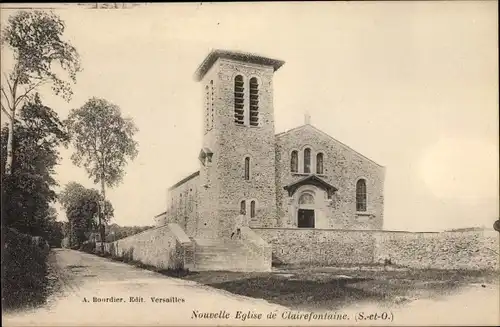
pixel 24 269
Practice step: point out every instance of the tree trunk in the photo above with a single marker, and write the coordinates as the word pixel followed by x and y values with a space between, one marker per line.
pixel 7 172
pixel 10 145
pixel 101 213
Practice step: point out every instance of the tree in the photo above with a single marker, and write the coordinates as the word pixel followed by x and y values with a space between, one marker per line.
pixel 115 232
pixel 30 188
pixel 103 142
pixel 82 208
pixel 55 234
pixel 35 39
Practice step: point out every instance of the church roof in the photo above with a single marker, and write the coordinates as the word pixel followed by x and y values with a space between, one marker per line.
pixel 310 180
pixel 282 134
pixel 182 181
pixel 161 214
pixel 235 55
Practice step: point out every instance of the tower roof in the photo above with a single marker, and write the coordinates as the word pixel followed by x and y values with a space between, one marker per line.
pixel 235 55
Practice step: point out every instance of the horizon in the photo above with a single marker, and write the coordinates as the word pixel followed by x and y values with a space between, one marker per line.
pixel 415 96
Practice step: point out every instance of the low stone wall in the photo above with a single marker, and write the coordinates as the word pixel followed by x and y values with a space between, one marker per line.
pixel 477 250
pixel 319 246
pixel 474 250
pixel 260 251
pixel 165 247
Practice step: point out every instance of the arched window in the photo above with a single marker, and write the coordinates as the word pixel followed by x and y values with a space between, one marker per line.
pixel 252 209
pixel 294 162
pixel 247 168
pixel 239 100
pixel 243 209
pixel 254 102
pixel 319 163
pixel 306 198
pixel 307 160
pixel 361 195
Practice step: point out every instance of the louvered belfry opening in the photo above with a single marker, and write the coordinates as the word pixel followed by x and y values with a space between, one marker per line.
pixel 254 102
pixel 239 100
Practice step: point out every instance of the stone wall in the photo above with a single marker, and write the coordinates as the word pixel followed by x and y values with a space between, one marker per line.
pixel 342 168
pixel 319 246
pixel 260 251
pixel 165 247
pixel 182 204
pixel 235 142
pixel 476 250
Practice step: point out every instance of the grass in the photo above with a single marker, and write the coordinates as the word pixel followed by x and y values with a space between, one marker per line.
pixel 331 288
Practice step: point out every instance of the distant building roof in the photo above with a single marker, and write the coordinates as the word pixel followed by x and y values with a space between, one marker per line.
pixel 235 55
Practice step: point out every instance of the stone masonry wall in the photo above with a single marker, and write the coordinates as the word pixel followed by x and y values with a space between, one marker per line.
pixel 476 250
pixel 159 247
pixel 183 205
pixel 235 142
pixel 319 247
pixel 208 192
pixel 342 168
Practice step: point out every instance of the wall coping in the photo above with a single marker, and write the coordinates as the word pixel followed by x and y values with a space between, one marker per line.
pixel 343 230
pixel 144 231
pixel 254 237
pixel 179 234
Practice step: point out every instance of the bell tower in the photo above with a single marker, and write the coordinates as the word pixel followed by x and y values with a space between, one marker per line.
pixel 237 158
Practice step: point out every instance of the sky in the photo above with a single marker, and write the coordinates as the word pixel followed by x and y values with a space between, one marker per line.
pixel 411 85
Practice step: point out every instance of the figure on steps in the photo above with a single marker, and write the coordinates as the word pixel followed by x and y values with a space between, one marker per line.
pixel 239 223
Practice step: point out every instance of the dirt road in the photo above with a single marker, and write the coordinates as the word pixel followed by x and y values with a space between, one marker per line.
pixel 97 291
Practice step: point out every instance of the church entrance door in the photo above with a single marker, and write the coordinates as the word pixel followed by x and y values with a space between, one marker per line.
pixel 305 218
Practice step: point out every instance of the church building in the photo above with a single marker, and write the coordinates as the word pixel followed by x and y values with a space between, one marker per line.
pixel 299 179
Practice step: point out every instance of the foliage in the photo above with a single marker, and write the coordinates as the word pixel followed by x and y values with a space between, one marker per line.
pixel 35 39
pixel 55 234
pixel 29 190
pixel 24 264
pixel 103 140
pixel 115 232
pixel 82 206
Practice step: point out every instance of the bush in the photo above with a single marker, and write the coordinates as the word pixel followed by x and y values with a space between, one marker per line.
pixel 24 262
pixel 88 247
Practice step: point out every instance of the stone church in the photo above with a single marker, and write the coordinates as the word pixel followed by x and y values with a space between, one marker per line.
pixel 299 179
pixel 309 199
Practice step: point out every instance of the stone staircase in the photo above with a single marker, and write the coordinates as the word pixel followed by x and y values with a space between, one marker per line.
pixel 227 255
